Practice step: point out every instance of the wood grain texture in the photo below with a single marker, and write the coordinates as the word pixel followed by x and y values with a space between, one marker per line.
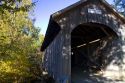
pixel 57 58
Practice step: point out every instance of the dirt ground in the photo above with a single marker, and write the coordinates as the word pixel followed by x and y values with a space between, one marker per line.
pixel 79 76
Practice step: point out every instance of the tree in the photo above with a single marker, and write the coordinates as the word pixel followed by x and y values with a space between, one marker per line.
pixel 15 5
pixel 18 37
pixel 36 60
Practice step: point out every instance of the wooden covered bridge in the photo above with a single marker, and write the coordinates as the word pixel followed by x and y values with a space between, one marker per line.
pixel 89 35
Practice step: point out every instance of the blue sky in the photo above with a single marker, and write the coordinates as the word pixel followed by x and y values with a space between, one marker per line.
pixel 44 8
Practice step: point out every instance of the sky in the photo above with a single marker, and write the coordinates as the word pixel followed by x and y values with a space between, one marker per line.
pixel 44 8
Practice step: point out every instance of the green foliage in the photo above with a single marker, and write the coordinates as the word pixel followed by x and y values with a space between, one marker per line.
pixel 15 5
pixel 18 41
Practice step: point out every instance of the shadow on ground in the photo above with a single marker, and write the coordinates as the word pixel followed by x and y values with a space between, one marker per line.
pixel 79 76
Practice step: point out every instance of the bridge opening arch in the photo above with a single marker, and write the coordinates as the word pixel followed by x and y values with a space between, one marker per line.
pixel 88 43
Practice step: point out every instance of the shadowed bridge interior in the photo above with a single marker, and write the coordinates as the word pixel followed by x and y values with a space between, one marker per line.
pixel 87 42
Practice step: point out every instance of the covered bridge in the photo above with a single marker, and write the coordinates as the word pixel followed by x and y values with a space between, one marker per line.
pixel 89 34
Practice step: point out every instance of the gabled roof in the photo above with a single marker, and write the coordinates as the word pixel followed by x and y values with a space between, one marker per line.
pixel 111 8
pixel 69 8
pixel 54 28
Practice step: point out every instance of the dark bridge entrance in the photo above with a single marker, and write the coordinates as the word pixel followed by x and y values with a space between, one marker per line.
pixel 88 43
pixel 83 37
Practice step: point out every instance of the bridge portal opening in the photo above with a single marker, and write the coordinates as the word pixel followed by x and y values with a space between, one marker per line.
pixel 88 42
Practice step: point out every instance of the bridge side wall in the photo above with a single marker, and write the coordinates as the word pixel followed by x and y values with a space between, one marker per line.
pixel 57 60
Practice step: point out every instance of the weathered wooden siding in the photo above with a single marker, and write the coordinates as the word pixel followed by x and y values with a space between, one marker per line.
pixel 52 59
pixel 57 60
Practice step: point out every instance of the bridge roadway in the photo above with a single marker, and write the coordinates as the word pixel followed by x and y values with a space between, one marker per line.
pixel 79 76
